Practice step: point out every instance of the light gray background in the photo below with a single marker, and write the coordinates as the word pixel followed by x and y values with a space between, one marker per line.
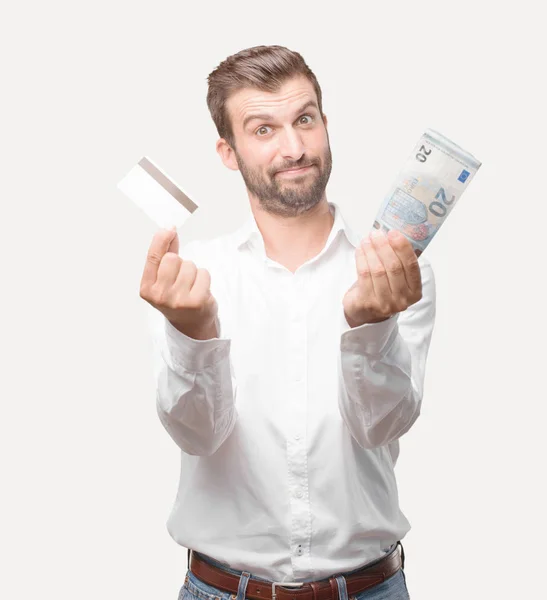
pixel 88 473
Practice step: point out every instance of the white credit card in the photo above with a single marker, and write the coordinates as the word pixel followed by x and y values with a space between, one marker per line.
pixel 157 194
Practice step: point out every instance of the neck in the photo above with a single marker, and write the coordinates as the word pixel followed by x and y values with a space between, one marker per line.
pixel 294 240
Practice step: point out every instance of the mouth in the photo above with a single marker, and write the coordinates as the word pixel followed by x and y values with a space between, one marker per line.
pixel 292 172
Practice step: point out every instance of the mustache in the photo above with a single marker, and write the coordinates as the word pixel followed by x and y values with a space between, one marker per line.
pixel 297 166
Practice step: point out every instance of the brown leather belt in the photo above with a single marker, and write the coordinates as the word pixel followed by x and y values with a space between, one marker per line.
pixel 327 589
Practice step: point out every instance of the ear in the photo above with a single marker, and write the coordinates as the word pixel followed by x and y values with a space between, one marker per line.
pixel 325 120
pixel 227 154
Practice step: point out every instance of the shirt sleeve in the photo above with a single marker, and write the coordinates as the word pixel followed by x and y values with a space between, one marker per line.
pixel 382 369
pixel 194 382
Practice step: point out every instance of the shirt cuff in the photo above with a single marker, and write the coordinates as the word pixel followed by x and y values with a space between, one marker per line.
pixel 370 338
pixel 195 355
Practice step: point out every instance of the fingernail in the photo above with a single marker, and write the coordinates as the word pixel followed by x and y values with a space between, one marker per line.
pixel 377 233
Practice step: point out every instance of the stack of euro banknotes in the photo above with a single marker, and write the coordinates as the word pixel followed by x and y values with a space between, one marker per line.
pixel 427 188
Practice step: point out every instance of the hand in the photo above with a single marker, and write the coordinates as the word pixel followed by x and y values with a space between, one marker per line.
pixel 178 289
pixel 388 279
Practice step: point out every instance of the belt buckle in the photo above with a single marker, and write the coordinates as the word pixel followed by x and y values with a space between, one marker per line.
pixel 274 583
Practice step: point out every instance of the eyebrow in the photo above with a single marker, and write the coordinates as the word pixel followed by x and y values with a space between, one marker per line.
pixel 266 117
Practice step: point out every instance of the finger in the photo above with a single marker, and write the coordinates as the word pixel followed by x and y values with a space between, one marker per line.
pixel 168 271
pixel 185 277
pixel 393 266
pixel 378 273
pixel 159 246
pixel 174 246
pixel 201 287
pixel 405 251
pixel 363 272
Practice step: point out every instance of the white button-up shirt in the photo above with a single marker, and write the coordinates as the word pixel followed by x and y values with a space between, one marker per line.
pixel 288 422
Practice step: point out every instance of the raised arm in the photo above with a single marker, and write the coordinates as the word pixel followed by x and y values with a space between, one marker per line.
pixel 192 371
pixel 390 315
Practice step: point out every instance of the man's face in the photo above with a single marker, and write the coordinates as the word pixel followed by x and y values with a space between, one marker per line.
pixel 279 131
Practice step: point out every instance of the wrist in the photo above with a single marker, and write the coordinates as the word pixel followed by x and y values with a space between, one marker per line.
pixel 354 322
pixel 207 332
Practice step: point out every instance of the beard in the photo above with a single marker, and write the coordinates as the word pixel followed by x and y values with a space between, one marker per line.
pixel 289 197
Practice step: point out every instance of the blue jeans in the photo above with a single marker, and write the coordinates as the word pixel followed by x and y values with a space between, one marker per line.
pixel 393 588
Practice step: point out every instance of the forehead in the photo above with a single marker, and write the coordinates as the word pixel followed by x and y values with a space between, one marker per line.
pixel 292 94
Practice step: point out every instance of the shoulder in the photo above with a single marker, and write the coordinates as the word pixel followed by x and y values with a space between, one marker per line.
pixel 424 262
pixel 427 275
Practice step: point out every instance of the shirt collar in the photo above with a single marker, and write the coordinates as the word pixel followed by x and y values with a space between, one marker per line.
pixel 249 231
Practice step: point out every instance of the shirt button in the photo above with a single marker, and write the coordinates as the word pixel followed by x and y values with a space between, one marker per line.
pixel 298 494
pixel 297 437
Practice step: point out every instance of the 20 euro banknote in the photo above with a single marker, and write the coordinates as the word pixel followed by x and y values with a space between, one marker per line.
pixel 427 188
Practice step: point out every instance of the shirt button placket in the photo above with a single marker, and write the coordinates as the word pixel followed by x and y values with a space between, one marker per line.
pixel 296 444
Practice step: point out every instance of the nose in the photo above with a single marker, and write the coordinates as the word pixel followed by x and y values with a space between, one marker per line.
pixel 290 144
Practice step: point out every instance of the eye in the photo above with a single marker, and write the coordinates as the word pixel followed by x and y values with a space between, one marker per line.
pixel 265 127
pixel 260 129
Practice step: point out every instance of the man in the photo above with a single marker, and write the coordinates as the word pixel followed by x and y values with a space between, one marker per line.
pixel 289 359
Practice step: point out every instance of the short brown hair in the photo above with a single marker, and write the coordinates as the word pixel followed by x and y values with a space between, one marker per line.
pixel 265 68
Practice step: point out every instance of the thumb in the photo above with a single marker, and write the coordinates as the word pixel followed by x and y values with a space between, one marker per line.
pixel 174 244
